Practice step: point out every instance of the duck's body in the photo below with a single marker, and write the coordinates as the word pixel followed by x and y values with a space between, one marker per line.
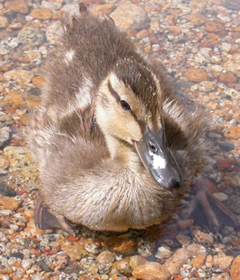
pixel 102 99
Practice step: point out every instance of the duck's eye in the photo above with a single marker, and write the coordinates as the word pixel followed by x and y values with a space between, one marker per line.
pixel 125 106
pixel 153 148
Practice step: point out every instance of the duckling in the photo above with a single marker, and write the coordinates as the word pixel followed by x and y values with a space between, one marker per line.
pixel 115 148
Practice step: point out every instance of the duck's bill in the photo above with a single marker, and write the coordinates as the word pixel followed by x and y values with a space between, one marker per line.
pixel 158 159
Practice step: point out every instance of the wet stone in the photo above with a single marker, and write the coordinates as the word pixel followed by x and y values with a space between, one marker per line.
pixel 4 135
pixel 235 269
pixel 17 255
pixel 19 6
pixel 9 203
pixel 151 271
pixel 21 76
pixel 6 190
pixel 196 75
pixel 42 14
pixel 31 36
pixel 106 257
pixel 3 22
pixel 222 261
pixel 164 252
pixel 233 203
pixel 129 15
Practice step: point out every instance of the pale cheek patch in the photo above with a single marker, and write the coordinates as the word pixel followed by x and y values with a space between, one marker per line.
pixel 69 56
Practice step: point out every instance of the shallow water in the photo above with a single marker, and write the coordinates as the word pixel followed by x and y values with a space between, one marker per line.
pixel 198 44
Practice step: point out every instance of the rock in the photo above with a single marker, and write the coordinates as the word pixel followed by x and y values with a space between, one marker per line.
pixel 9 203
pixel 215 68
pixel 53 32
pixel 18 6
pixel 4 135
pixel 196 249
pixel 106 257
pixel 123 267
pixel 233 203
pixel 232 5
pixel 164 252
pixel 199 261
pixel 4 162
pixel 31 36
pixel 42 14
pixel 75 251
pixel 233 132
pixel 5 190
pixel 128 15
pixel 178 259
pixel 151 271
pixel 20 76
pixel 227 78
pixel 38 81
pixel 235 269
pixel 216 27
pixel 105 9
pixel 121 245
pixel 3 22
pixel 33 55
pixel 196 75
pixel 136 261
pixel 184 240
pixel 221 196
pixel 207 86
pixel 232 64
pixel 197 19
pixel 222 261
pixel 203 237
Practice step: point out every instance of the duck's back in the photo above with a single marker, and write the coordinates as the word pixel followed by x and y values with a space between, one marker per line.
pixel 88 49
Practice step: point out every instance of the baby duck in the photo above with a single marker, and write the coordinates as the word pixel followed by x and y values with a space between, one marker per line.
pixel 115 148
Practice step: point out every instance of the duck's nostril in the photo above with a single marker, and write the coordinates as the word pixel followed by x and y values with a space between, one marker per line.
pixel 174 183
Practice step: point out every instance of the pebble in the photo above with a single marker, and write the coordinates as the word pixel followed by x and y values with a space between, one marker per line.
pixel 20 76
pixel 184 240
pixel 4 135
pixel 198 261
pixel 222 261
pixel 227 78
pixel 5 190
pixel 31 36
pixel 177 260
pixel 18 6
pixel 105 9
pixel 3 22
pixel 196 75
pixel 164 252
pixel 38 81
pixel 197 19
pixel 106 257
pixel 42 14
pixel 121 245
pixel 9 203
pixel 233 203
pixel 128 15
pixel 221 196
pixel 151 271
pixel 235 268
pixel 136 261
pixel 216 27
pixel 203 237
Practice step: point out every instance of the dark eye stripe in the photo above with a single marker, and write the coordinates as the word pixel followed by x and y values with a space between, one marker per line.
pixel 113 92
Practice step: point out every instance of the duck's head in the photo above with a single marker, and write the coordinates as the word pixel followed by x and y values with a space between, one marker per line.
pixel 128 111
